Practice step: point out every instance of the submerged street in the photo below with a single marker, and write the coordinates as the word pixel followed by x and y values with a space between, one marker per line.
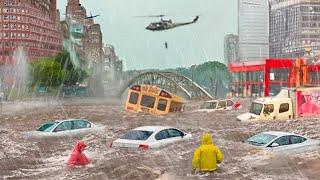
pixel 22 157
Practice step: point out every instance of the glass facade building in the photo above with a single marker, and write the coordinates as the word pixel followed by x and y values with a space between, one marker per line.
pixel 294 28
pixel 253 29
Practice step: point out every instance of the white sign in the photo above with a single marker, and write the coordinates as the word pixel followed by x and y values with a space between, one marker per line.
pixel 271 76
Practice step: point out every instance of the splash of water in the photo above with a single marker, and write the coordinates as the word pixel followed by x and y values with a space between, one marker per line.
pixel 15 74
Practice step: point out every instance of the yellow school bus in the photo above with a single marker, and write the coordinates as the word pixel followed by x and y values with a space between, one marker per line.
pixel 153 100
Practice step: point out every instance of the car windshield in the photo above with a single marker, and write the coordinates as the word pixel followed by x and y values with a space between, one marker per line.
pixel 47 127
pixel 261 139
pixel 137 135
pixel 256 108
pixel 209 105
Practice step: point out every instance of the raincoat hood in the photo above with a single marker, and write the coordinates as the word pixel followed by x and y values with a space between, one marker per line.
pixel 206 139
pixel 80 147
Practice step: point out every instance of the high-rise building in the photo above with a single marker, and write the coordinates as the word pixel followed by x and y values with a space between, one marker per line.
pixel 253 29
pixel 113 64
pixel 30 24
pixel 294 28
pixel 87 35
pixel 230 48
pixel 95 45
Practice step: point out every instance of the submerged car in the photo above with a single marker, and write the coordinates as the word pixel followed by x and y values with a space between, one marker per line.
pixel 150 137
pixel 223 104
pixel 66 127
pixel 282 141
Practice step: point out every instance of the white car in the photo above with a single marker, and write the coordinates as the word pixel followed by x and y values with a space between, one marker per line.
pixel 65 127
pixel 150 137
pixel 223 104
pixel 282 141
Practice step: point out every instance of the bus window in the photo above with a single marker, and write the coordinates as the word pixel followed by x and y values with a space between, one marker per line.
pixel 133 98
pixel 162 105
pixel 147 101
pixel 175 107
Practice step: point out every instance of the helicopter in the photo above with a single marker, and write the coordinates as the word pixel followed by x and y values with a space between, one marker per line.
pixel 166 24
pixel 91 17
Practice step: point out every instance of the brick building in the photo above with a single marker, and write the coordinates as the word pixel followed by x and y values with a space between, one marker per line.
pixel 31 24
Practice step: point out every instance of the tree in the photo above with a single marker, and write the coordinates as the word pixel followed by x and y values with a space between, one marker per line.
pixel 54 72
pixel 212 75
pixel 46 72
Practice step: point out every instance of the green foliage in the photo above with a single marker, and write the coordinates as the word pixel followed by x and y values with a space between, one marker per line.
pixel 54 72
pixel 46 72
pixel 74 76
pixel 212 75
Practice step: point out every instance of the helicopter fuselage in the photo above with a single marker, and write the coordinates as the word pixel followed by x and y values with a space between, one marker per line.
pixel 167 24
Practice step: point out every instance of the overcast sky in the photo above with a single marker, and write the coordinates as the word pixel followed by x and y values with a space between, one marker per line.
pixel 188 45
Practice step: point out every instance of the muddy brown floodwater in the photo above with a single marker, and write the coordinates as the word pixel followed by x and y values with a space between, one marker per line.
pixel 45 158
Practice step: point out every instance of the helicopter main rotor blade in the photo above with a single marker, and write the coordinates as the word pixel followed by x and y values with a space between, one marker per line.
pixel 161 15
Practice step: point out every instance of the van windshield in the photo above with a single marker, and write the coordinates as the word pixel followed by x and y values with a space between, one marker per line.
pixel 256 108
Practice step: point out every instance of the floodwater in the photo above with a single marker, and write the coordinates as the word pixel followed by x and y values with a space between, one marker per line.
pixel 45 158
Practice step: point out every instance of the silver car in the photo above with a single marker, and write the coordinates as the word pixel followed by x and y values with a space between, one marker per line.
pixel 65 127
pixel 149 137
pixel 282 141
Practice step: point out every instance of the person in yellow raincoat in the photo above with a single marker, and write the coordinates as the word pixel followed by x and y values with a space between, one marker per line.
pixel 207 156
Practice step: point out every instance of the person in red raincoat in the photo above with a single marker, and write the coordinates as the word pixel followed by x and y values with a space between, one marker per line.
pixel 78 158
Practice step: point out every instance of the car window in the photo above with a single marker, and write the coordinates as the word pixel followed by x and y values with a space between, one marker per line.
pixel 256 108
pixel 268 109
pixel 214 105
pixel 79 124
pixel 137 135
pixel 282 141
pixel 174 133
pixel 133 98
pixel 222 104
pixel 47 127
pixel 162 105
pixel 162 135
pixel 64 126
pixel 147 101
pixel 208 105
pixel 230 103
pixel 284 108
pixel 297 139
pixel 261 139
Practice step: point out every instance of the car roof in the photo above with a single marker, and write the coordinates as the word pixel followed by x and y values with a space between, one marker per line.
pixel 271 100
pixel 279 133
pixel 215 100
pixel 152 128
pixel 63 120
